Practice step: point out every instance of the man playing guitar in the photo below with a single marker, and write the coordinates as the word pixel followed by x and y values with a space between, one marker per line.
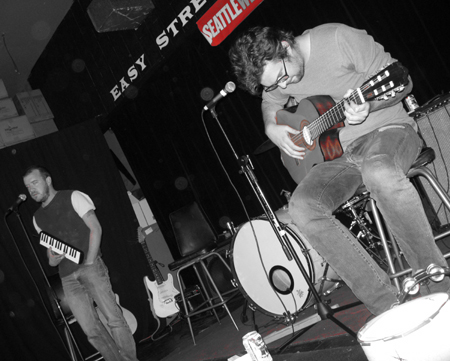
pixel 379 143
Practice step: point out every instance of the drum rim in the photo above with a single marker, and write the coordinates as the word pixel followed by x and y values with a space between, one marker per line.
pixel 399 335
pixel 245 293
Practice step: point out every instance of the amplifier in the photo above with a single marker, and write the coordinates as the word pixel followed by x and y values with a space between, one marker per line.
pixel 433 120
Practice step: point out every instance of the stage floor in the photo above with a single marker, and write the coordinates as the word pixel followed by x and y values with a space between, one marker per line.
pixel 216 341
pixel 324 341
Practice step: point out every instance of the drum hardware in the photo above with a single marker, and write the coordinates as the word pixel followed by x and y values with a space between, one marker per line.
pixel 337 285
pixel 411 285
pixel 324 310
pixel 289 318
pixel 355 216
pixel 231 228
pixel 324 278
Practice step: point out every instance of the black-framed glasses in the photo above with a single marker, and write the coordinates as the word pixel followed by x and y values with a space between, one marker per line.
pixel 279 80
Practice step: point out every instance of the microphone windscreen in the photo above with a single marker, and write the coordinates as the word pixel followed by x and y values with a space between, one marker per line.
pixel 230 87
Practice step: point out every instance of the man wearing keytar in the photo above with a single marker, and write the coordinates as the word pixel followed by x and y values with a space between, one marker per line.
pixel 69 215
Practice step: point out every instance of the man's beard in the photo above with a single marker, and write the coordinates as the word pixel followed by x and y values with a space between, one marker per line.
pixel 45 195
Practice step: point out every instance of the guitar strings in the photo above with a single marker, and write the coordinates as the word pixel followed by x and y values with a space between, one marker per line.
pixel 331 113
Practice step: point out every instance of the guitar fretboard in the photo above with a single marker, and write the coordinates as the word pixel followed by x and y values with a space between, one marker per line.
pixel 332 116
pixel 155 270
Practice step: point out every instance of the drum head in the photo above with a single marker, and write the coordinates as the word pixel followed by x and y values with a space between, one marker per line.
pixel 403 320
pixel 413 331
pixel 265 276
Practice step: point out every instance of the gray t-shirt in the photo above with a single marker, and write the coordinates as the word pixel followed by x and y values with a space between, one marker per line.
pixel 342 58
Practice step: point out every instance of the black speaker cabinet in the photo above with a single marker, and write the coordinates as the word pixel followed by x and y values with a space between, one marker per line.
pixel 433 120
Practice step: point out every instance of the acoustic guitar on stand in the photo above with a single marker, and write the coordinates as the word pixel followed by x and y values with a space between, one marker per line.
pixel 161 294
pixel 319 117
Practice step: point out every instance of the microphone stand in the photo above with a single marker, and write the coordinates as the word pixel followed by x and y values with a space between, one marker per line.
pixel 72 343
pixel 323 309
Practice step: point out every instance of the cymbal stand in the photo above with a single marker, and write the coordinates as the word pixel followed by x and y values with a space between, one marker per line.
pixel 323 309
pixel 72 345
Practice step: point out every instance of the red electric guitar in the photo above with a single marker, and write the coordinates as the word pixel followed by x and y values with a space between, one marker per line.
pixel 319 117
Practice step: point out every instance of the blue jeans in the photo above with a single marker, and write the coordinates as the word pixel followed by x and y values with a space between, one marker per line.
pixel 81 288
pixel 379 160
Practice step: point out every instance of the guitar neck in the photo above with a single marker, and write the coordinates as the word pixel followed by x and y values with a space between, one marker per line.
pixel 333 115
pixel 156 272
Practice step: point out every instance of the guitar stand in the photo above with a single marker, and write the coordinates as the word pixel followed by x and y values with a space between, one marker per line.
pixel 323 309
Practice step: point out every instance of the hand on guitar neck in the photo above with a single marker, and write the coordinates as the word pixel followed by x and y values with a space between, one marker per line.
pixel 355 113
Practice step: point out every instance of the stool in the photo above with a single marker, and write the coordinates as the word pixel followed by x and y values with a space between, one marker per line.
pixel 196 242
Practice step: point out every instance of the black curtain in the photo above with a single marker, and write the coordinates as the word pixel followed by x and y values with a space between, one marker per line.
pixel 78 158
pixel 169 146
pixel 159 126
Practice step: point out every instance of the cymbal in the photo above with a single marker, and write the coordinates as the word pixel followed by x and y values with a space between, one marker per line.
pixel 267 145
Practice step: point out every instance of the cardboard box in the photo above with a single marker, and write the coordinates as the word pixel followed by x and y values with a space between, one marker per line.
pixel 148 214
pixel 16 130
pixel 7 109
pixel 44 127
pixel 3 92
pixel 142 210
pixel 33 105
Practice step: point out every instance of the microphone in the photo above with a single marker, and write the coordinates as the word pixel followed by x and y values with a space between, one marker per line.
pixel 17 203
pixel 229 88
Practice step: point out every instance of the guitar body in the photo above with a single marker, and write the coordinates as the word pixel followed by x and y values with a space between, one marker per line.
pixel 56 285
pixel 163 295
pixel 129 317
pixel 162 322
pixel 326 147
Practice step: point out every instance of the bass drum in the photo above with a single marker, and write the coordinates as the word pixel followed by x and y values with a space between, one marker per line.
pixel 263 274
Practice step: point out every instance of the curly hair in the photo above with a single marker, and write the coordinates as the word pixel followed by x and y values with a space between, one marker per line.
pixel 251 51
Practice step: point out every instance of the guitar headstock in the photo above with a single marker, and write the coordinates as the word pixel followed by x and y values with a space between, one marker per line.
pixel 142 233
pixel 391 79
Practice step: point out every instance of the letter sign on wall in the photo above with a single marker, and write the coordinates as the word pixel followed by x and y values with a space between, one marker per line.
pixel 223 17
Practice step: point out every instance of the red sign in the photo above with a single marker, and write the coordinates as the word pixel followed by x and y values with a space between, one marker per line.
pixel 223 17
